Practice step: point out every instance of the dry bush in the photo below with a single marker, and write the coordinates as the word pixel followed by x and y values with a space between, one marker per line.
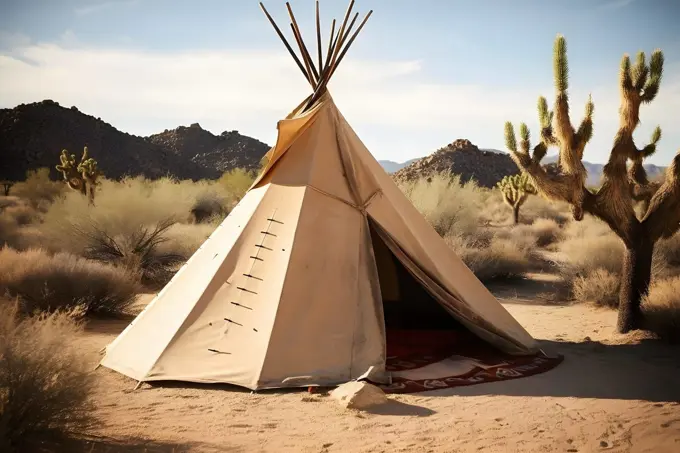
pixel 589 245
pixel 236 183
pixel 45 382
pixel 451 208
pixel 51 282
pixel 496 211
pixel 666 260
pixel 599 287
pixel 493 260
pixel 139 252
pixel 184 239
pixel 22 213
pixel 209 206
pixel 541 233
pixel 38 189
pixel 661 309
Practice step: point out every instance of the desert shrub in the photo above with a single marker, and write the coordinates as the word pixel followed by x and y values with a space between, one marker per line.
pixel 541 233
pixel 62 281
pixel 599 287
pixel 44 381
pixel 451 208
pixel 38 189
pixel 495 210
pixel 138 252
pixel 546 231
pixel 666 260
pixel 22 213
pixel 494 259
pixel 236 182
pixel 589 245
pixel 208 206
pixel 661 309
pixel 184 239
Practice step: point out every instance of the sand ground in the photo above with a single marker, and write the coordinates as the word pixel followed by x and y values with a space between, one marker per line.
pixel 612 393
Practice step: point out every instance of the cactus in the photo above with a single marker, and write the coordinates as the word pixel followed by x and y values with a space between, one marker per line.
pixel 516 189
pixel 81 176
pixel 7 186
pixel 621 187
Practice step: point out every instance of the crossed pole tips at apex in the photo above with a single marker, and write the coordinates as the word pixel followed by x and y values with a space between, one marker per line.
pixel 338 45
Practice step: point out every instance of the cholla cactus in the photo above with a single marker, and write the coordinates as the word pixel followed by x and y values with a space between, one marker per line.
pixel 81 176
pixel 516 189
pixel 621 187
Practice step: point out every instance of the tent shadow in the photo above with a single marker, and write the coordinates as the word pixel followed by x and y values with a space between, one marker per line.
pixel 644 371
pixel 398 408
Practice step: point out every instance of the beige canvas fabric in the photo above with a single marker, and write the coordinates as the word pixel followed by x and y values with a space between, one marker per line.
pixel 286 292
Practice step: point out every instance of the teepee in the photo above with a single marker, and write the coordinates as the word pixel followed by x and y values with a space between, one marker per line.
pixel 301 283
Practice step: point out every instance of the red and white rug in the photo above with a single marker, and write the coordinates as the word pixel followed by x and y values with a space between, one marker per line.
pixel 421 360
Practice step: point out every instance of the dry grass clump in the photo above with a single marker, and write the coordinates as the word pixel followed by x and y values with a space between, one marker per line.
pixel 588 247
pixel 209 207
pixel 492 259
pixel 184 239
pixel 496 211
pixel 661 309
pixel 541 233
pixel 451 208
pixel 599 287
pixel 38 189
pixel 62 281
pixel 138 252
pixel 666 260
pixel 236 182
pixel 44 381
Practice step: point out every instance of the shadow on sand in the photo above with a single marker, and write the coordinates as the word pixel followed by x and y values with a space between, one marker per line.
pixel 645 371
pixel 88 444
pixel 398 408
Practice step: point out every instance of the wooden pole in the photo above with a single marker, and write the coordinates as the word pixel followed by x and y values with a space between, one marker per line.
pixel 349 43
pixel 328 73
pixel 331 44
pixel 303 48
pixel 318 39
pixel 342 40
pixel 290 49
pixel 298 39
pixel 342 29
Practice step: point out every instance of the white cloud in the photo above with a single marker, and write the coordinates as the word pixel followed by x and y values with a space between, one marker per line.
pixel 393 106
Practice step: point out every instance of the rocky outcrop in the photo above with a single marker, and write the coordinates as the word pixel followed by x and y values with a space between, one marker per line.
pixel 462 158
pixel 222 152
pixel 33 135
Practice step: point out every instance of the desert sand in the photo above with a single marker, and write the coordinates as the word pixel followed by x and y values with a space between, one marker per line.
pixel 612 393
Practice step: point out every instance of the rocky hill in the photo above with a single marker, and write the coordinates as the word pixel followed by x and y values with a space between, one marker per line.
pixel 462 158
pixel 222 152
pixel 33 135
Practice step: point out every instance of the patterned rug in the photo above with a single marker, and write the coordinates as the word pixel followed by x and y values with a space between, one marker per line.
pixel 422 360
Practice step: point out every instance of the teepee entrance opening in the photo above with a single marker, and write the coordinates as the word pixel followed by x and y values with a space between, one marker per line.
pixel 417 326
pixel 406 304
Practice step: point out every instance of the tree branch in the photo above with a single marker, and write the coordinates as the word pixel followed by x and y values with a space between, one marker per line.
pixel 663 216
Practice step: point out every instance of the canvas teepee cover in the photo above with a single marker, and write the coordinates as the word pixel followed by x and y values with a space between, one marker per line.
pixel 290 289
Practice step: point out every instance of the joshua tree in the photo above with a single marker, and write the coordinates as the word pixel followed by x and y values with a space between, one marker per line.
pixel 516 189
pixel 613 201
pixel 6 185
pixel 82 176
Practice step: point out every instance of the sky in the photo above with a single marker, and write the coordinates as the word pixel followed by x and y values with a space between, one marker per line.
pixel 420 75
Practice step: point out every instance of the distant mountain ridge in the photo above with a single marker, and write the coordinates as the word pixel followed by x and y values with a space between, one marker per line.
pixel 33 135
pixel 595 171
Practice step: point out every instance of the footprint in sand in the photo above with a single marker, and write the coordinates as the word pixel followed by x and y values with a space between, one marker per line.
pixel 240 425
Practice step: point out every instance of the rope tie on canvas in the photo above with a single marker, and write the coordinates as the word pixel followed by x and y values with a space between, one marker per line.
pixel 362 208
